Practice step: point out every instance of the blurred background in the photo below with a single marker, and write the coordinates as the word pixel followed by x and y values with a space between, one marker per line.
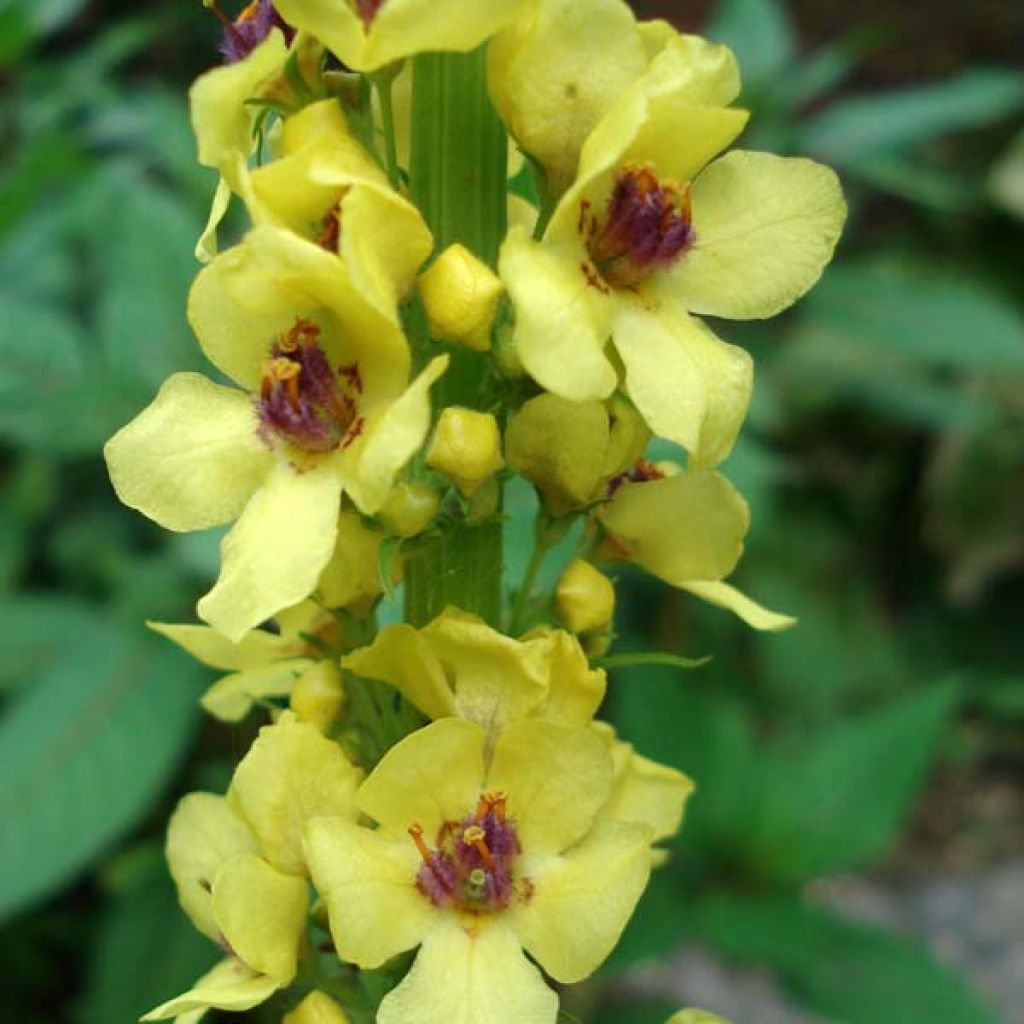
pixel 855 852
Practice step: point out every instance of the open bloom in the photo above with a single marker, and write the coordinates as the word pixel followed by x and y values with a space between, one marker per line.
pixel 324 408
pixel 687 528
pixel 557 70
pixel 650 233
pixel 367 34
pixel 482 851
pixel 458 665
pixel 238 866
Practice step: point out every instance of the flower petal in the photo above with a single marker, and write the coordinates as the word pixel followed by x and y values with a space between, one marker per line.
pixel 645 791
pixel 317 1008
pixel 231 698
pixel 261 913
pixel 368 881
pixel 191 459
pixel 689 386
pixel 556 778
pixel 291 774
pixel 434 775
pixel 255 650
pixel 582 900
pixel 766 227
pixel 401 657
pixel 274 554
pixel 562 321
pixel 394 432
pixel 470 972
pixel 229 986
pixel 726 596
pixel 683 528
pixel 202 836
pixel 554 73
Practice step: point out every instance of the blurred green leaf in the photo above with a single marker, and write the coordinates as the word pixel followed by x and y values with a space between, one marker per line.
pixel 848 972
pixel 146 951
pixel 658 924
pixel 49 15
pixel 36 630
pixel 634 1011
pixel 851 130
pixel 1006 183
pixel 759 32
pixel 930 316
pixel 84 751
pixel 836 799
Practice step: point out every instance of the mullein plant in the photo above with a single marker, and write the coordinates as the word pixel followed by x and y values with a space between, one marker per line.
pixel 434 826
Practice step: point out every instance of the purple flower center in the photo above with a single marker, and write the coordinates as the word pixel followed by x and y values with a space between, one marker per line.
pixel 641 472
pixel 368 10
pixel 646 227
pixel 302 400
pixel 472 867
pixel 249 29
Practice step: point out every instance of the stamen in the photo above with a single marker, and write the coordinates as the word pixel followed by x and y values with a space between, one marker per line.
pixel 416 832
pixel 476 837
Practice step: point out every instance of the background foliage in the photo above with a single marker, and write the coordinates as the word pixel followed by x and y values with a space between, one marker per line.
pixel 884 461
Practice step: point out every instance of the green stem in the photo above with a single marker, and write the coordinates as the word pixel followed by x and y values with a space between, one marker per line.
pixel 525 591
pixel 458 171
pixel 383 82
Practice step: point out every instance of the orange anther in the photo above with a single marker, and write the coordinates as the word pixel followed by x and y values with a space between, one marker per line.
pixel 416 832
pixel 476 837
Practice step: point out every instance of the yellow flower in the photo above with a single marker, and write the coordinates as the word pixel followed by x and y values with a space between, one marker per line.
pixel 647 235
pixel 556 72
pixel 238 865
pixel 461 295
pixel 326 409
pixel 367 34
pixel 692 1016
pixel 458 665
pixel 223 116
pixel 686 528
pixel 482 851
pixel 570 450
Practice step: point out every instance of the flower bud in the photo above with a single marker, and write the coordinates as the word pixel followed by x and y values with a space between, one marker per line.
pixel 585 598
pixel 466 448
pixel 410 508
pixel 461 296
pixel 318 697
pixel 317 1008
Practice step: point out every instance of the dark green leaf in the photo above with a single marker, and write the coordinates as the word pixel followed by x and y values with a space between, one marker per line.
pixel 759 32
pixel 847 972
pixel 854 129
pixel 35 630
pixel 84 751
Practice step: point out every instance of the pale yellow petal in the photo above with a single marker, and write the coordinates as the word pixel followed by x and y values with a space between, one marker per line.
pixel 689 386
pixel 726 596
pixel 554 74
pixel 575 690
pixel 402 657
pixel 232 697
pixel 684 528
pixel 368 881
pixel 206 246
pixel 291 774
pixel 766 227
pixel 192 458
pixel 317 1008
pixel 202 836
pixel 261 913
pixel 229 986
pixel 392 435
pixel 563 321
pixel 255 650
pixel 469 973
pixel 352 576
pixel 693 1016
pixel 556 777
pixel 434 775
pixel 273 556
pixel 583 899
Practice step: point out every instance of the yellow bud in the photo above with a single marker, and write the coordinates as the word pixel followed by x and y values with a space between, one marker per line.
pixel 410 509
pixel 696 1017
pixel 318 696
pixel 585 598
pixel 466 448
pixel 461 296
pixel 317 1008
